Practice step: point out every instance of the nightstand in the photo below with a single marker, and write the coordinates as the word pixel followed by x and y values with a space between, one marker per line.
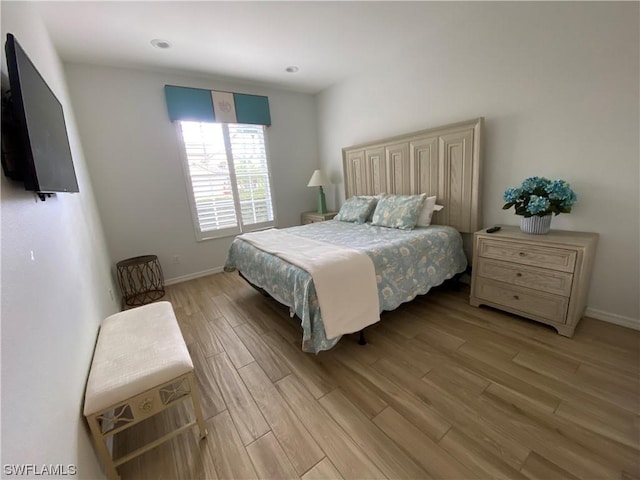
pixel 313 217
pixel 541 277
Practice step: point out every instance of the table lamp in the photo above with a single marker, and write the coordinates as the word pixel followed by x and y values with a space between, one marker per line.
pixel 318 179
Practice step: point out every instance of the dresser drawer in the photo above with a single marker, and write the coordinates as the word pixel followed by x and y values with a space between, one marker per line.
pixel 537 256
pixel 545 305
pixel 541 279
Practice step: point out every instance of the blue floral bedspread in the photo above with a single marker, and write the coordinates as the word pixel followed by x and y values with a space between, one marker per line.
pixel 407 263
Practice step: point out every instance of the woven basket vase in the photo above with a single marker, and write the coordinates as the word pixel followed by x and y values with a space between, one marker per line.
pixel 536 225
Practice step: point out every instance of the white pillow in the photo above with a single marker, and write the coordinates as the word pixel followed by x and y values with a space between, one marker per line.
pixel 430 206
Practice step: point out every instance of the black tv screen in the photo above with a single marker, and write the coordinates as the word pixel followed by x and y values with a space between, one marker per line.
pixel 41 152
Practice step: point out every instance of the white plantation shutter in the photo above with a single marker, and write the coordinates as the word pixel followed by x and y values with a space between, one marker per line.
pixel 228 172
pixel 209 175
pixel 252 173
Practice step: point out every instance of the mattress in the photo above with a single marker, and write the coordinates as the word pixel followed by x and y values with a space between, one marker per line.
pixel 407 263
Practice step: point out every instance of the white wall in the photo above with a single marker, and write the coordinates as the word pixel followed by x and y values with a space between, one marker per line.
pixel 51 304
pixel 558 86
pixel 133 156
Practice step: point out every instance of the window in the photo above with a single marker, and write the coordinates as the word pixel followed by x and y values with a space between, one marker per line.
pixel 227 174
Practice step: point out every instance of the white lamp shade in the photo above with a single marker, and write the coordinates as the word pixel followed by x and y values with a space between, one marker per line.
pixel 318 179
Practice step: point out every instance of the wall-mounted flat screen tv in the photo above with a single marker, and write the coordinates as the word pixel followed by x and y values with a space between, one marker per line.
pixel 34 134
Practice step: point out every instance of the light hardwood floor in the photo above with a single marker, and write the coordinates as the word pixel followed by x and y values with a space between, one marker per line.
pixel 442 390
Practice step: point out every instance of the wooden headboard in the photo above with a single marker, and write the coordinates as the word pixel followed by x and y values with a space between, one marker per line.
pixel 443 161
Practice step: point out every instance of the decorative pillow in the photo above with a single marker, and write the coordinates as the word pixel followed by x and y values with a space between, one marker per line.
pixel 377 198
pixel 356 209
pixel 398 211
pixel 430 206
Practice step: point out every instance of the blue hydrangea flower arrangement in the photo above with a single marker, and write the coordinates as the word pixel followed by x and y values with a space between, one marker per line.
pixel 539 196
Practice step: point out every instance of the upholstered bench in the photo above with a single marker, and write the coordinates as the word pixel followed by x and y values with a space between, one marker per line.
pixel 140 367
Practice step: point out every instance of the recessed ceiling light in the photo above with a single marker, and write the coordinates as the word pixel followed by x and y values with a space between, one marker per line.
pixel 159 43
pixel 292 69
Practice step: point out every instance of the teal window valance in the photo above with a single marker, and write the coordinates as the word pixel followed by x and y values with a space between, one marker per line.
pixel 196 104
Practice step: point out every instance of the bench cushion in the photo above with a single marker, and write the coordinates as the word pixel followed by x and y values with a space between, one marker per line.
pixel 137 350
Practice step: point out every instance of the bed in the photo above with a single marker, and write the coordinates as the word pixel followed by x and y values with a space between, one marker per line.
pixel 442 162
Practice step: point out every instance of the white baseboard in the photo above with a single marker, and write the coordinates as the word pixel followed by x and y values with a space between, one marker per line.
pixel 621 320
pixel 191 276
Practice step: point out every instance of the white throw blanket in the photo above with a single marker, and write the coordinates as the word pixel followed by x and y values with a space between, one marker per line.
pixel 345 279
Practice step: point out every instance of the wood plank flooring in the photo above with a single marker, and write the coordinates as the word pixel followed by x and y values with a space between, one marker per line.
pixel 442 390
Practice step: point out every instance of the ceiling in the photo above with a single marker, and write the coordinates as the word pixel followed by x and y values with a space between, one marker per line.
pixel 252 41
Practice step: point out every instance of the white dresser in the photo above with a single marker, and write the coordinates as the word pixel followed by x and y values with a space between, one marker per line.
pixel 541 277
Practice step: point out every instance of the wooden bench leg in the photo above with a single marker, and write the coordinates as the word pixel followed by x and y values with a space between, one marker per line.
pixel 101 447
pixel 197 408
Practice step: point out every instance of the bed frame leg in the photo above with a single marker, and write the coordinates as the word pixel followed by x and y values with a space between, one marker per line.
pixel 361 339
pixel 456 284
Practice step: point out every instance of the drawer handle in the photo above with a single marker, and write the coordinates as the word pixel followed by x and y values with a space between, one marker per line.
pixel 146 405
pixel 522 254
pixel 518 274
pixel 516 297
